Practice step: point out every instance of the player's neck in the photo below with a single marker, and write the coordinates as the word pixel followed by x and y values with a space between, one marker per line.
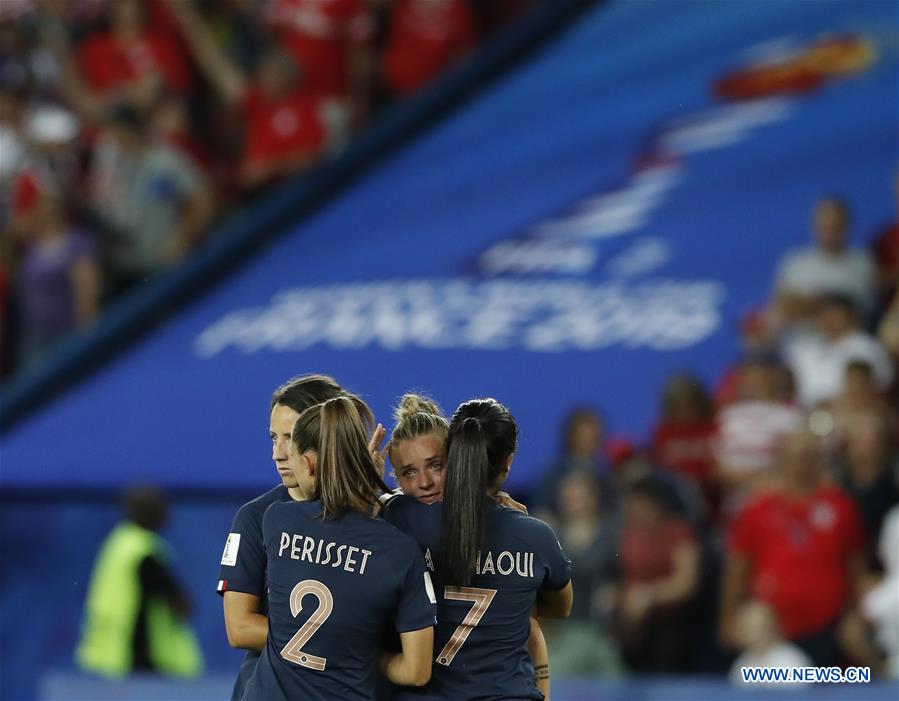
pixel 296 494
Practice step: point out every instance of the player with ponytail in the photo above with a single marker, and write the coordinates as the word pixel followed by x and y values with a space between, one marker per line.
pixel 329 454
pixel 337 576
pixel 242 578
pixel 480 465
pixel 492 563
pixel 417 452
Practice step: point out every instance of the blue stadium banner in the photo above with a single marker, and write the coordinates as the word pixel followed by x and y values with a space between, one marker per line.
pixel 595 222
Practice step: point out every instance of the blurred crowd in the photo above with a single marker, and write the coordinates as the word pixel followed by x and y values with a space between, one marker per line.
pixel 128 127
pixel 759 525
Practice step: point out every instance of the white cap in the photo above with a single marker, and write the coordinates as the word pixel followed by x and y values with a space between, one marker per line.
pixel 49 124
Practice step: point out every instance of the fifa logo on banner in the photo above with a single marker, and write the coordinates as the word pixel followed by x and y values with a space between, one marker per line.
pixel 569 243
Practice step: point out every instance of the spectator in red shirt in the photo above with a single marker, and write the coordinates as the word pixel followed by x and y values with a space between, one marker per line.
pixel 682 440
pixel 331 42
pixel 131 60
pixel 798 547
pixel 659 562
pixel 426 37
pixel 283 127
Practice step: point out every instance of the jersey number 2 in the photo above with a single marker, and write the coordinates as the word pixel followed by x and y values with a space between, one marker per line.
pixel 480 599
pixel 293 651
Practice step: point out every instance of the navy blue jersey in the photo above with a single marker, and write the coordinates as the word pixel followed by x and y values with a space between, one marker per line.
pixel 334 585
pixel 480 644
pixel 243 565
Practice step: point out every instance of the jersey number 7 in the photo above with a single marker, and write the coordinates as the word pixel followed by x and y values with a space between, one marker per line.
pixel 293 652
pixel 481 599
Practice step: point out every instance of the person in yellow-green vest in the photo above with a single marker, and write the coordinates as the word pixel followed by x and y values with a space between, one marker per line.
pixel 135 613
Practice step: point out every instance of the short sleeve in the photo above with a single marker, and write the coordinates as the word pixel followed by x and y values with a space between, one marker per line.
pixel 243 559
pixel 417 606
pixel 548 551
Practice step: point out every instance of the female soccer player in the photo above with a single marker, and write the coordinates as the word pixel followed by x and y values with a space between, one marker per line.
pixel 417 452
pixel 416 448
pixel 242 574
pixel 491 563
pixel 336 576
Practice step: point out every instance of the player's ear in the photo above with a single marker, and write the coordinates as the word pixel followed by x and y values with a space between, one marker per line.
pixel 508 464
pixel 309 463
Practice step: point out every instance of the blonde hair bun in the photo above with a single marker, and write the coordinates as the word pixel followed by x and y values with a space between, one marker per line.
pixel 412 404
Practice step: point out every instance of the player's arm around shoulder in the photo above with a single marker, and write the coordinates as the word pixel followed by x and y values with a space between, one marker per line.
pixel 401 511
pixel 387 504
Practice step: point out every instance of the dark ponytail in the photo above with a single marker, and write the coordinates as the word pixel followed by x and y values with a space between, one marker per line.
pixel 482 435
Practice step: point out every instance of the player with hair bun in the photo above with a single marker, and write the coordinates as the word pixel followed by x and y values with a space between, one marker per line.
pixel 418 456
pixel 349 574
pixel 491 562
pixel 416 447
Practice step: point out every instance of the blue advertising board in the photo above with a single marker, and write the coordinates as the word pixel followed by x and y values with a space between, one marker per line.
pixel 596 221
